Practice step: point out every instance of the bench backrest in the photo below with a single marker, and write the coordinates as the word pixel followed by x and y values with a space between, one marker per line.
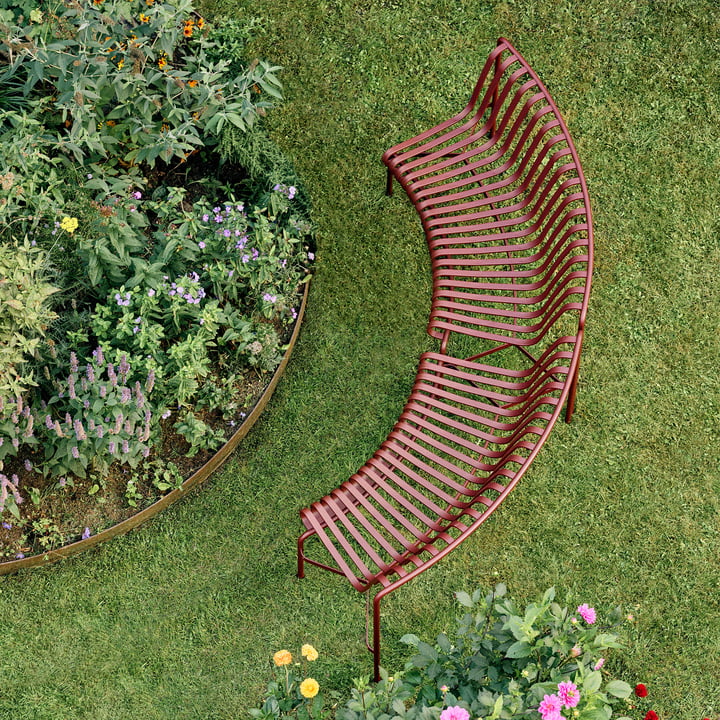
pixel 503 202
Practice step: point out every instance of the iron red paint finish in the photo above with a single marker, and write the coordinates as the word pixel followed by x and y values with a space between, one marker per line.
pixel 504 206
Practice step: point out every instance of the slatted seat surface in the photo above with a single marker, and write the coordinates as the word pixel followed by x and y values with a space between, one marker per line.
pixel 505 211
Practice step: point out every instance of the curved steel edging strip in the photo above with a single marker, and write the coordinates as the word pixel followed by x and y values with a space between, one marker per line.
pixel 199 476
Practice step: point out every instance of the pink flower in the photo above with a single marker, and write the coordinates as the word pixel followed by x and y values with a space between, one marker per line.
pixel 568 693
pixel 576 651
pixel 588 613
pixel 599 663
pixel 455 712
pixel 550 708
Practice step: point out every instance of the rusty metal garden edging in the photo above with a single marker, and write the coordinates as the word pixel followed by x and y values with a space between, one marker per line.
pixel 198 477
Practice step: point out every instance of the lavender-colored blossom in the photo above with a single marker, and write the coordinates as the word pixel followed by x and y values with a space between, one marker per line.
pixel 123 368
pixel 112 376
pixel 125 395
pixel 79 430
pixel 99 431
pixel 166 414
pixel 62 482
pixel 49 422
pixel 15 443
pixel 150 383
pixel 255 254
pixel 111 447
pixel 267 297
pixel 73 362
pixel 151 292
pixel 99 357
pixel 201 245
pixel 119 420
pixel 125 447
pixel 75 452
pixel 245 258
pixel 71 387
pixel 231 273
pixel 128 427
pixel 227 232
pixel 145 451
pixel 15 419
pixel 28 465
pixel 86 533
pixel 218 218
pixel 137 195
pixel 291 192
pixel 311 256
pixel 90 373
pixel 20 555
pixel 103 391
pixel 7 526
pixel 29 429
pixel 205 217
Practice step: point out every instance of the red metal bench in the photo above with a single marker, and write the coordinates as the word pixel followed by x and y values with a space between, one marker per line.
pixel 505 210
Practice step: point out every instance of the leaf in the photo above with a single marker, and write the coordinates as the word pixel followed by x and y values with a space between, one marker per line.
pixel 592 682
pixel 618 689
pixel 519 649
pixel 464 599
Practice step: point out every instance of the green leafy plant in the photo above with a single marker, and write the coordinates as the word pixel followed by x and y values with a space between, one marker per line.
pixel 26 314
pixel 504 663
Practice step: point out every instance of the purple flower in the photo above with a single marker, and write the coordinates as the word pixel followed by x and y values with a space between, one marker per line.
pixel 125 395
pixel 103 391
pixel 245 258
pixel 311 256
pixel 255 254
pixel 75 452
pixel 62 482
pixel 201 245
pixel 150 384
pixel 137 195
pixel 49 422
pixel 73 362
pixel 218 218
pixel 291 192
pixel 99 431
pixel 227 232
pixel 151 292
pixel 125 447
pixel 28 465
pixel 205 217
pixel 90 373
pixel 7 526
pixel 267 297
pixel 20 556
pixel 86 533
pixel 111 447
pixel 231 273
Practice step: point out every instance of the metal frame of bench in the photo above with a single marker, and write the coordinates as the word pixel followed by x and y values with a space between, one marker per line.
pixel 506 215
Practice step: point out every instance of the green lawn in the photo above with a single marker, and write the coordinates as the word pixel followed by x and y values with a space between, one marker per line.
pixel 178 620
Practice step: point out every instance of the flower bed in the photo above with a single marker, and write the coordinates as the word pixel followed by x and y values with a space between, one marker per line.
pixel 152 282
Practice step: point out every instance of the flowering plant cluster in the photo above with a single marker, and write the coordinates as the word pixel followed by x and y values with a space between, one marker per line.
pixel 291 692
pixel 148 280
pixel 546 662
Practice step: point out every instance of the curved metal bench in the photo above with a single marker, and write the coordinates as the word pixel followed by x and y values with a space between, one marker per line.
pixel 505 210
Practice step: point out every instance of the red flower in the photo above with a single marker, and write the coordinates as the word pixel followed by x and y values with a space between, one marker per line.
pixel 651 715
pixel 641 690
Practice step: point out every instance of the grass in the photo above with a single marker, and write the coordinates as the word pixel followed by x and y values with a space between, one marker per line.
pixel 178 620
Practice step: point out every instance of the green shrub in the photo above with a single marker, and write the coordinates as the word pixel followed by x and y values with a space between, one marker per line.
pixel 25 313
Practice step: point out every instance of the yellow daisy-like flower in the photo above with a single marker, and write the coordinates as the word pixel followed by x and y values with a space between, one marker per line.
pixel 69 224
pixel 162 63
pixel 120 64
pixel 144 18
pixel 282 657
pixel 309 652
pixel 201 23
pixel 309 688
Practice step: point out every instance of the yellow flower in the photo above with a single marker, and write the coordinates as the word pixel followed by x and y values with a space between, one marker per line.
pixel 69 224
pixel 282 657
pixel 309 652
pixel 309 688
pixel 120 64
pixel 144 18
pixel 162 62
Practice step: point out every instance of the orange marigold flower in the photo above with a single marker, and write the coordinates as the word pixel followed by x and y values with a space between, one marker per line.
pixel 149 3
pixel 111 123
pixel 282 657
pixel 192 83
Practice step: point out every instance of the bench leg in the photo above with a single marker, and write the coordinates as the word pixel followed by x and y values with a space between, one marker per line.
pixel 389 184
pixel 570 407
pixel 301 553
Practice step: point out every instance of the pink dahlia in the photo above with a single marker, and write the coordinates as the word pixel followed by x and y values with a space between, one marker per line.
pixel 568 694
pixel 455 712
pixel 550 708
pixel 588 613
